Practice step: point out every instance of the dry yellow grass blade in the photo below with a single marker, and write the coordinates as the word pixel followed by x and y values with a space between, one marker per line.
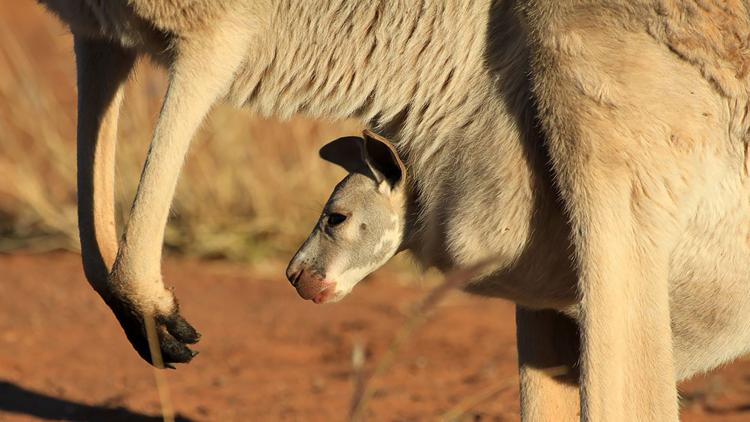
pixel 162 385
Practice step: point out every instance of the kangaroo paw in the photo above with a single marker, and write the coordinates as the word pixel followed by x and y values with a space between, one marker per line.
pixel 173 332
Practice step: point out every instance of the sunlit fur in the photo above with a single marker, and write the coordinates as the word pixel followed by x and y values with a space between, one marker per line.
pixel 613 132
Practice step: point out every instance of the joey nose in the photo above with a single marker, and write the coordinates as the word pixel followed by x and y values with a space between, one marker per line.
pixel 293 273
pixel 307 280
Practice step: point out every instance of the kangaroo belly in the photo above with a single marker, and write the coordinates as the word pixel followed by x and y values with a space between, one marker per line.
pixel 710 281
pixel 709 274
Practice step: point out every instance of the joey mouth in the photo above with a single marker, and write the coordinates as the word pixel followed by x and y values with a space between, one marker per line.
pixel 312 286
pixel 326 294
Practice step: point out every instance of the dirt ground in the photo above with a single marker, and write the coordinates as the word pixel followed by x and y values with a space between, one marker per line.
pixel 268 355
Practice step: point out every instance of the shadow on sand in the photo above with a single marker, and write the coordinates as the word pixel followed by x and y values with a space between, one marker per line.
pixel 15 399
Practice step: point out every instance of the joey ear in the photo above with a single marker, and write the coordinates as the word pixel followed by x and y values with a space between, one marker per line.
pixel 383 160
pixel 345 152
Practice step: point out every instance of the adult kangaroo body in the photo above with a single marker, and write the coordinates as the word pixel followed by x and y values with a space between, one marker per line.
pixel 643 106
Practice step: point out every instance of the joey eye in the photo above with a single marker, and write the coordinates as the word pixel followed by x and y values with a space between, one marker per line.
pixel 334 219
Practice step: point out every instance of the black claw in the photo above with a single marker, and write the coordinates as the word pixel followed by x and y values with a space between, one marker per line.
pixel 172 350
pixel 181 329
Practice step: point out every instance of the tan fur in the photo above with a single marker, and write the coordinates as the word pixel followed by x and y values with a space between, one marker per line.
pixel 643 105
pixel 647 147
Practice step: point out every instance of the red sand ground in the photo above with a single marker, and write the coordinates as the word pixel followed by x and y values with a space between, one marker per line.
pixel 265 353
pixel 268 355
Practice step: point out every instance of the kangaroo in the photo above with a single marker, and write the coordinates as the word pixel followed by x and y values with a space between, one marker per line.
pixel 622 123
pixel 378 210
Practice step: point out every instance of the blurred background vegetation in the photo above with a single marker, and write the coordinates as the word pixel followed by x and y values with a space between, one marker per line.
pixel 251 188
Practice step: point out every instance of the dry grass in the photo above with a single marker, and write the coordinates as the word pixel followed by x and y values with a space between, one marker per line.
pixel 251 188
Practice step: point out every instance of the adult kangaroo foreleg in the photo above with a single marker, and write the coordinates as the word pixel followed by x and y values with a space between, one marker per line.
pixel 548 354
pixel 102 69
pixel 201 74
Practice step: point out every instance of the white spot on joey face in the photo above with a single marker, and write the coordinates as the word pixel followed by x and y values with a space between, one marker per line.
pixel 362 224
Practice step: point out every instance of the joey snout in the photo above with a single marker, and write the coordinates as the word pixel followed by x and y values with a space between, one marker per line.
pixel 309 282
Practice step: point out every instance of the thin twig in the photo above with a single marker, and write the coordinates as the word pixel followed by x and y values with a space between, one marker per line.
pixel 457 278
pixel 162 386
pixel 462 408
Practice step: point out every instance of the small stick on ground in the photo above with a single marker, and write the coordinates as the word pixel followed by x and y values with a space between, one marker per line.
pixel 162 386
pixel 459 411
